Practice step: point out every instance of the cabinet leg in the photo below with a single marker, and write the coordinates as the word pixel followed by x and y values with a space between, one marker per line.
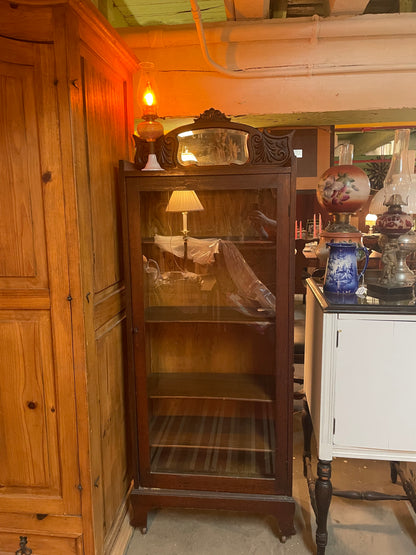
pixel 285 519
pixel 139 517
pixel 307 435
pixel 323 494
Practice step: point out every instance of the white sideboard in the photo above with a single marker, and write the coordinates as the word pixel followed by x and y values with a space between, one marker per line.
pixel 360 383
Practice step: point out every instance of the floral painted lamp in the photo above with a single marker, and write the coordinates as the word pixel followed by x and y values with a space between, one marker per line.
pixel 342 190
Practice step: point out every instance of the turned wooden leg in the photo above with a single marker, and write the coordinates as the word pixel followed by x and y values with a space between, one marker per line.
pixel 307 435
pixel 323 494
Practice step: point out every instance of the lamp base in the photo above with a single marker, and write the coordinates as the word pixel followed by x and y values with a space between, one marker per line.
pixel 386 291
pixel 152 164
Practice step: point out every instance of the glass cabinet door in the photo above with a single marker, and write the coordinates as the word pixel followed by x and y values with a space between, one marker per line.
pixel 209 339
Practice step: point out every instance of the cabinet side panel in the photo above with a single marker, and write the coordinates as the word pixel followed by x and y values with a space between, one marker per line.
pixel 106 130
pixel 313 358
pixel 112 418
pixel 102 125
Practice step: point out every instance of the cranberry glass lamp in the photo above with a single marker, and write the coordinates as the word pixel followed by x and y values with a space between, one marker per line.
pixel 395 224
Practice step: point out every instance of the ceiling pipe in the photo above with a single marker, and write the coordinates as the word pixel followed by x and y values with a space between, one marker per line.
pixel 300 70
pixel 239 73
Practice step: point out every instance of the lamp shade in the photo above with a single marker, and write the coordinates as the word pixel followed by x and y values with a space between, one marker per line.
pixel 370 219
pixel 184 201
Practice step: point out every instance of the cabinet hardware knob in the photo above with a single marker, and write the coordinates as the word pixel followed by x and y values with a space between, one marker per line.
pixel 32 405
pixel 24 550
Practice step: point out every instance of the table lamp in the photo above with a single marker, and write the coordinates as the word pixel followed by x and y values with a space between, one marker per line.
pixel 149 129
pixel 184 201
pixel 370 220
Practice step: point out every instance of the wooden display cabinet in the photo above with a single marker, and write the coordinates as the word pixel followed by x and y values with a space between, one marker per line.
pixel 211 339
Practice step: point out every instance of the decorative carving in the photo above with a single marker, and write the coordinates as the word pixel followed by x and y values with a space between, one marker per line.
pixel 24 550
pixel 168 147
pixel 211 115
pixel 270 149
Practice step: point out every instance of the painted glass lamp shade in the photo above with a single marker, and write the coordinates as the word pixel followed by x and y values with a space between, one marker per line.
pixel 343 189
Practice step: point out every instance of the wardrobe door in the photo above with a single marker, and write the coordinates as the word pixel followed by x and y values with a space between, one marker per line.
pixel 39 470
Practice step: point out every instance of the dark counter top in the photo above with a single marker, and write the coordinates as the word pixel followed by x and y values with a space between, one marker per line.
pixel 360 304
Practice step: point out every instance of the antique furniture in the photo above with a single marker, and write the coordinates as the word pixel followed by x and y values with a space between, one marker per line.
pixel 211 321
pixel 359 386
pixel 65 100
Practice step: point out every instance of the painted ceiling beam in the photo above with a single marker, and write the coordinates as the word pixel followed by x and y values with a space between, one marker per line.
pixel 347 7
pixel 238 10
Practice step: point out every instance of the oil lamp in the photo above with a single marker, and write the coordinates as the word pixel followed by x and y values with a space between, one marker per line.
pixel 149 129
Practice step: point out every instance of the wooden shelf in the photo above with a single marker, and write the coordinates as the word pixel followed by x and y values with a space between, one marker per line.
pixel 229 434
pixel 216 462
pixel 241 387
pixel 236 240
pixel 213 314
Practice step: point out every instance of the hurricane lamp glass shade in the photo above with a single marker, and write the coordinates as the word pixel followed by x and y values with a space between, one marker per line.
pixel 147 90
pixel 398 182
pixel 184 201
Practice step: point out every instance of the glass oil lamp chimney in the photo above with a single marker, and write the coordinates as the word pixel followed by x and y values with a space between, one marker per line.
pixel 149 129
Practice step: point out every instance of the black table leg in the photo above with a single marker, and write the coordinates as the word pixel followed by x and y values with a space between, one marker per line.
pixel 323 494
pixel 307 435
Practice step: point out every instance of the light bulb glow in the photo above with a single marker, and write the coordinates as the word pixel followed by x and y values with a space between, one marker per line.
pixel 149 96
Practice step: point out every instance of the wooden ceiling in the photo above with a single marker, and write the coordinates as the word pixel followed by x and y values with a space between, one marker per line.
pixel 177 12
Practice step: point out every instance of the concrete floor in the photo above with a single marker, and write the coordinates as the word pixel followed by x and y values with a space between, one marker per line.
pixel 354 527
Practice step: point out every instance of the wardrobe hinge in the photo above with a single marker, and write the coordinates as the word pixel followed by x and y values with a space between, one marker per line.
pixel 333 427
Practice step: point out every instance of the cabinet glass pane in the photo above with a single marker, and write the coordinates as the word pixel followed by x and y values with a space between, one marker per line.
pixel 210 333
